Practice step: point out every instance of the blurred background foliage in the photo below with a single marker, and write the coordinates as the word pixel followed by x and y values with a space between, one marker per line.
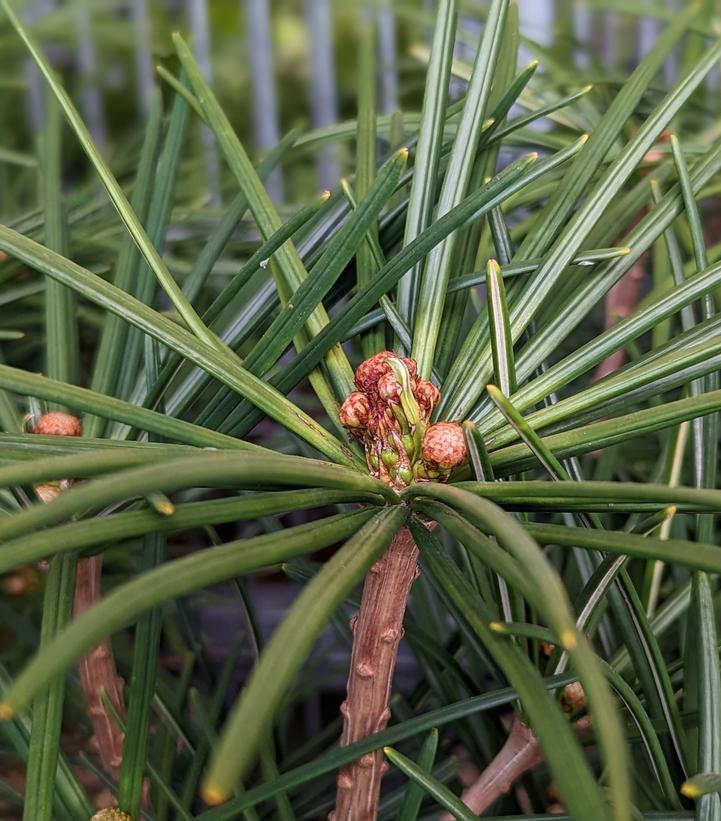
pixel 301 70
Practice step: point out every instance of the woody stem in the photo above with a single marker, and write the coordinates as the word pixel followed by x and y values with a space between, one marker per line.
pixel 98 673
pixel 377 631
pixel 520 753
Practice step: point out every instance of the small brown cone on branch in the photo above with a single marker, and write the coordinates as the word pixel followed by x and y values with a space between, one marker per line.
pixel 58 423
pixel 98 673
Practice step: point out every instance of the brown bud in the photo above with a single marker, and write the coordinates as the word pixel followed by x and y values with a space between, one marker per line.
pixel 48 492
pixel 23 581
pixel 58 423
pixel 444 445
pixel 355 411
pixel 427 395
pixel 546 647
pixel 574 697
pixel 389 388
pixel 369 372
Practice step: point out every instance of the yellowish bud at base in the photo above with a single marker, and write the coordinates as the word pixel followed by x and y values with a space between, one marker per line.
pixel 213 796
pixel 690 790
pixel 568 640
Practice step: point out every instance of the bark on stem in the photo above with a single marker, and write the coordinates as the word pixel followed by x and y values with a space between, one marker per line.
pixel 98 673
pixel 377 631
pixel 520 753
pixel 390 414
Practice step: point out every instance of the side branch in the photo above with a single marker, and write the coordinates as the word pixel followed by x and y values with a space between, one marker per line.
pixel 519 754
pixel 98 673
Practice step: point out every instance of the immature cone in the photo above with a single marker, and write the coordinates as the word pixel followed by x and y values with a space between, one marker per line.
pixel 58 423
pixel 444 446
pixel 573 698
pixel 390 413
pixel 369 372
pixel 355 412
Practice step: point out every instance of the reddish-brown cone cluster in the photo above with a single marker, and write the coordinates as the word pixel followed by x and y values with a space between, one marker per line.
pixel 390 414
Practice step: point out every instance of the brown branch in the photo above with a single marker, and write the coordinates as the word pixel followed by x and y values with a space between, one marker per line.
pixel 377 631
pixel 98 673
pixel 520 753
pixel 391 414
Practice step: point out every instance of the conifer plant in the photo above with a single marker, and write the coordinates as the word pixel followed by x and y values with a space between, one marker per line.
pixel 394 386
